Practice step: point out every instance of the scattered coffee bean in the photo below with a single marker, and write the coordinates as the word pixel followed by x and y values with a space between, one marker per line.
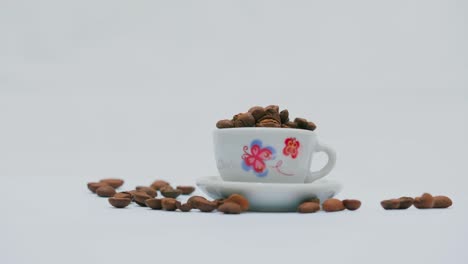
pixel 140 197
pixel 308 207
pixel 257 112
pixel 105 191
pixel 230 208
pixel 442 202
pixel 154 203
pixel 127 195
pixel 390 204
pixel 240 200
pixel 314 200
pixel 186 207
pixel 93 186
pixel 148 190
pixel 169 192
pixel 116 183
pixel 225 124
pixel 333 205
pixel 426 201
pixel 219 202
pixel 158 184
pixel 351 204
pixel 186 190
pixel 169 204
pixel 119 202
pixel 195 200
pixel 205 205
pixel 405 202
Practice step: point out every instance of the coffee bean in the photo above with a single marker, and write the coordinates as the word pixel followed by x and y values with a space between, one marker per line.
pixel 405 202
pixel 154 203
pixel 311 126
pixel 313 200
pixel 351 204
pixel 225 124
pixel 426 201
pixel 206 206
pixel 390 204
pixel 308 207
pixel 272 109
pixel 140 197
pixel 240 200
pixel 93 186
pixel 442 202
pixel 169 204
pixel 148 190
pixel 244 120
pixel 257 112
pixel 119 202
pixel 284 116
pixel 195 200
pixel 186 190
pixel 230 208
pixel 158 184
pixel 268 122
pixel 290 125
pixel 123 195
pixel 301 123
pixel 186 207
pixel 105 191
pixel 219 202
pixel 115 183
pixel 333 205
pixel 169 192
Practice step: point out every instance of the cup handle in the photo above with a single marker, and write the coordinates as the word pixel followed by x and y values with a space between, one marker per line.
pixel 315 175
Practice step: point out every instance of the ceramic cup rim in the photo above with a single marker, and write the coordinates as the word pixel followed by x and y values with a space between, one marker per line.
pixel 263 129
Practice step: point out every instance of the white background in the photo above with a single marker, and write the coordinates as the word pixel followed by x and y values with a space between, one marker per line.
pixel 133 89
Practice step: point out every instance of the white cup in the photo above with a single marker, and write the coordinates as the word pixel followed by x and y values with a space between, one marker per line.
pixel 273 155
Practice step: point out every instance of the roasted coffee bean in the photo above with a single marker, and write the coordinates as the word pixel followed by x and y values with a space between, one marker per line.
pixel 154 203
pixel 268 122
pixel 311 126
pixel 219 202
pixel 105 191
pixel 140 197
pixel 244 120
pixel 284 116
pixel 206 206
pixel 313 200
pixel 272 109
pixel 123 195
pixel 426 201
pixel 308 207
pixel 333 205
pixel 119 202
pixel 115 183
pixel 169 192
pixel 230 208
pixel 148 190
pixel 301 123
pixel 240 200
pixel 257 112
pixel 390 204
pixel 195 200
pixel 290 125
pixel 186 207
pixel 442 202
pixel 158 184
pixel 351 204
pixel 225 124
pixel 405 202
pixel 169 204
pixel 93 186
pixel 186 190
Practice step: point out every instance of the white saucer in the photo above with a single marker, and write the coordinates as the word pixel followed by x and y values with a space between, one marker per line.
pixel 270 197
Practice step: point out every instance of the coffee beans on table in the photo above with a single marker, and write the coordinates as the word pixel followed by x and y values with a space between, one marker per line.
pixel 240 200
pixel 105 191
pixel 230 208
pixel 158 184
pixel 119 202
pixel 150 191
pixel 308 207
pixel 115 183
pixel 123 195
pixel 426 201
pixel 154 203
pixel 186 207
pixel 269 116
pixel 169 204
pixel 405 202
pixel 442 202
pixel 186 190
pixel 169 192
pixel 390 204
pixel 140 197
pixel 333 205
pixel 352 204
pixel 93 186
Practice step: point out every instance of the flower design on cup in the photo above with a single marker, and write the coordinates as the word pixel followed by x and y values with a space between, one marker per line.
pixel 292 147
pixel 257 157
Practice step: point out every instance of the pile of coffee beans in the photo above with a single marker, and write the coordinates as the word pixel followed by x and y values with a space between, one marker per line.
pixel 269 116
pixel 425 201
pixel 329 205
pixel 146 196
